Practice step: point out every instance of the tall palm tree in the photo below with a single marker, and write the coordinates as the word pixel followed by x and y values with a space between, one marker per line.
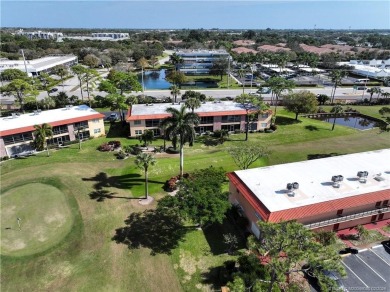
pixel 175 91
pixel 241 73
pixel 180 125
pixel 278 85
pixel 143 63
pixel 193 103
pixel 144 161
pixel 336 110
pixel 41 134
pixel 336 77
pixel 79 71
pixel 176 60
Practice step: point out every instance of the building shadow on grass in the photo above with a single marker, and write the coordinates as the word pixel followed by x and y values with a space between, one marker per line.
pixel 118 130
pixel 159 231
pixel 322 155
pixel 102 195
pixel 283 121
pixel 127 181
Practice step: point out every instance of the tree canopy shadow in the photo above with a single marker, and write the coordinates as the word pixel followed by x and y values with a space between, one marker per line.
pixel 159 231
pixel 311 128
pixel 219 276
pixel 127 181
pixel 214 235
pixel 282 121
pixel 322 155
pixel 102 195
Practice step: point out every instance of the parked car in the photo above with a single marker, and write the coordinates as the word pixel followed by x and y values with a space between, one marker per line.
pixel 264 90
pixel 112 117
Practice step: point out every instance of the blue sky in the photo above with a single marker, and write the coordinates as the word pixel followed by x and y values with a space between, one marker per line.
pixel 369 14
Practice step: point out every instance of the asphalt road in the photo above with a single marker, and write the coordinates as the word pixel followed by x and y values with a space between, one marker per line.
pixel 71 88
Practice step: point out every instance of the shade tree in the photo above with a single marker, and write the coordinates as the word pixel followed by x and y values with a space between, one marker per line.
pixel 302 102
pixel 253 105
pixel 245 154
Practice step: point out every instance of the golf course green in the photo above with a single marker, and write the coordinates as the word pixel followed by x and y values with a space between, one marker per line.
pixel 34 217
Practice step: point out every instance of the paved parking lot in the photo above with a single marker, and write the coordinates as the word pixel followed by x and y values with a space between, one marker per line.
pixel 369 270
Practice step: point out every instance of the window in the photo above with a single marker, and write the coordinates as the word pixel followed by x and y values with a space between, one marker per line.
pixel 378 204
pixel 83 124
pixel 231 119
pixel 264 125
pixel 96 131
pixel 138 132
pixel 95 121
pixel 137 122
pixel 258 216
pixel 18 138
pixel 264 115
pixel 339 212
pixel 60 130
pixel 152 123
pixel 206 120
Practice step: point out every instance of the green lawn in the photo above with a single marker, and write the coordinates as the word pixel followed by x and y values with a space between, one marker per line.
pixel 87 258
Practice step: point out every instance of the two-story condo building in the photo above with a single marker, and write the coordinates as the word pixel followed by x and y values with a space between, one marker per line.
pixel 16 131
pixel 221 115
pixel 197 62
pixel 329 193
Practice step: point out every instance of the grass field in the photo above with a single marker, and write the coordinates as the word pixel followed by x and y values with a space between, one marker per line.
pixel 87 259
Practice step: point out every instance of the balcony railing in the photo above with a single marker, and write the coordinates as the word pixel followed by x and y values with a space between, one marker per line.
pixel 348 218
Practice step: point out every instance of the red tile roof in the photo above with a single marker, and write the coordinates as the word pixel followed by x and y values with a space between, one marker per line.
pixel 309 210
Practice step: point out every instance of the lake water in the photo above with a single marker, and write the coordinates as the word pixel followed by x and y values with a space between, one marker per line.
pixel 352 121
pixel 155 79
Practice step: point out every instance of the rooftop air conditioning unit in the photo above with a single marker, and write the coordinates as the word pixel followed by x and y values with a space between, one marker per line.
pixel 336 179
pixel 379 177
pixel 291 187
pixel 14 115
pixel 362 175
pixel 68 107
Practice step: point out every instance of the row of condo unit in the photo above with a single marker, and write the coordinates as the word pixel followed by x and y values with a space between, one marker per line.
pixel 16 131
pixel 214 116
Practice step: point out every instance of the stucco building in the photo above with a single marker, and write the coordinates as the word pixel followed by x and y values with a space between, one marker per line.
pixel 330 193
pixel 16 131
pixel 221 115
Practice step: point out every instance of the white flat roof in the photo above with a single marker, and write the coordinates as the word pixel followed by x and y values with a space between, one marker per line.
pixel 314 178
pixel 49 116
pixel 160 108
pixel 37 64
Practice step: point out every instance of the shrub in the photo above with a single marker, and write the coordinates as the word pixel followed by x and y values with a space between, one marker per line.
pixel 172 150
pixel 105 147
pixel 273 127
pixel 115 144
pixel 121 155
pixel 269 131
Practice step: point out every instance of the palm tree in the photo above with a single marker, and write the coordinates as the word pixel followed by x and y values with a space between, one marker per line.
pixel 241 73
pixel 180 126
pixel 175 60
pixel 175 91
pixel 79 71
pixel 143 63
pixel 336 110
pixel 61 71
pixel 41 133
pixel 278 85
pixel 193 103
pixel 144 161
pixel 336 77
